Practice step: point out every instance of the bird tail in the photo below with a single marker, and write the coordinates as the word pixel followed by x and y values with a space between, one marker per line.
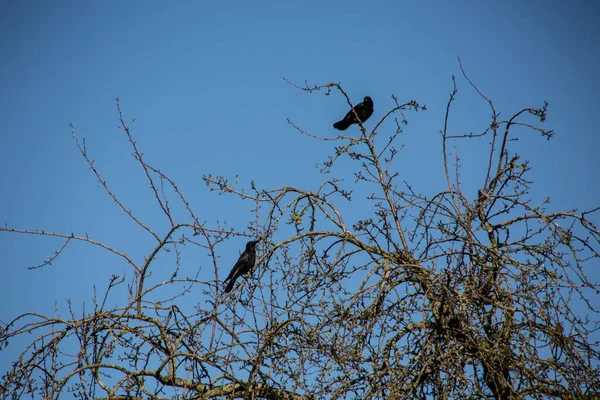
pixel 342 125
pixel 229 286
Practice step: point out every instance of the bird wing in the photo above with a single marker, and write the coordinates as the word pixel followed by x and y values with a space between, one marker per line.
pixel 350 115
pixel 236 267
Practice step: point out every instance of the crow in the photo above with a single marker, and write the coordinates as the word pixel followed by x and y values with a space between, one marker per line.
pixel 363 110
pixel 244 264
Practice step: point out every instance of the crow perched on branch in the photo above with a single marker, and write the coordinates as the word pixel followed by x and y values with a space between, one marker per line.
pixel 244 264
pixel 363 110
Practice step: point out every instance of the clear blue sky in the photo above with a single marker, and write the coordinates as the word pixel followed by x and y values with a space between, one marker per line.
pixel 204 82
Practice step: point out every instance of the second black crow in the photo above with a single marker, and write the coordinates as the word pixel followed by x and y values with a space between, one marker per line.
pixel 243 265
pixel 363 110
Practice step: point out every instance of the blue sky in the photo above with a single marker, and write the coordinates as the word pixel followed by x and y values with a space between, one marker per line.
pixel 203 80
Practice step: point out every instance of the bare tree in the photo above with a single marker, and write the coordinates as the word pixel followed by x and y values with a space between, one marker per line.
pixel 456 295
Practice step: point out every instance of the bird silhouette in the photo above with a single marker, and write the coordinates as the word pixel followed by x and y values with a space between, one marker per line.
pixel 244 264
pixel 363 110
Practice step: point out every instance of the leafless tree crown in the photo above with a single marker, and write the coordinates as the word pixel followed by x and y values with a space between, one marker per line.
pixel 363 287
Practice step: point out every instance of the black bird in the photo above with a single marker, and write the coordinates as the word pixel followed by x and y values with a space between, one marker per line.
pixel 363 110
pixel 244 264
